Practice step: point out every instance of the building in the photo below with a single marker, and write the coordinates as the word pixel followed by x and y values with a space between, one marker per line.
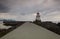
pixel 38 17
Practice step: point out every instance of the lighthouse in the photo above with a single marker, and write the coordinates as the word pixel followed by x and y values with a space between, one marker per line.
pixel 37 20
pixel 38 17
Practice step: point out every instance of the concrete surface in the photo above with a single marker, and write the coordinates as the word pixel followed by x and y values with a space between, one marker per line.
pixel 31 31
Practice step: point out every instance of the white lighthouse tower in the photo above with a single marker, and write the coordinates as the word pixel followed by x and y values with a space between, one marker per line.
pixel 38 17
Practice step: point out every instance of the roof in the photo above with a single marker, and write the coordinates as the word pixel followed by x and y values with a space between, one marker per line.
pixel 31 31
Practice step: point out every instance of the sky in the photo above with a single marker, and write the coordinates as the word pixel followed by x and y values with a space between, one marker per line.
pixel 25 10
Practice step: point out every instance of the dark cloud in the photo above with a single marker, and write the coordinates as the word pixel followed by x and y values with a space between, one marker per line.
pixel 3 1
pixel 3 7
pixel 56 0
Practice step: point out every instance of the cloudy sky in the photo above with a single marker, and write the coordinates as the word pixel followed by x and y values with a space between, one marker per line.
pixel 26 9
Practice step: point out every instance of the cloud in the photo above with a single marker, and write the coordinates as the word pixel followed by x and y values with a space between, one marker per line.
pixel 52 16
pixel 7 16
pixel 27 6
pixel 16 5
pixel 3 7
pixel 29 17
pixel 24 9
pixel 49 3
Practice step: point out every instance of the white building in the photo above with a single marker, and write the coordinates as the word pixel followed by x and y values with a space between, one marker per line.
pixel 38 17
